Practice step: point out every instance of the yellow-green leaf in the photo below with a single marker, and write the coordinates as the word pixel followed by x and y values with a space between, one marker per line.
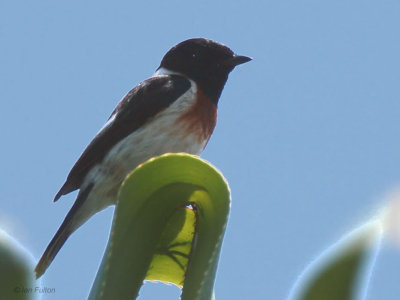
pixel 153 229
pixel 16 271
pixel 343 271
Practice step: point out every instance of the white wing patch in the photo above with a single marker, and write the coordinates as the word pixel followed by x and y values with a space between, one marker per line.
pixel 109 122
pixel 165 71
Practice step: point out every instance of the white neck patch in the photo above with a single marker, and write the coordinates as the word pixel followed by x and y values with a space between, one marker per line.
pixel 164 71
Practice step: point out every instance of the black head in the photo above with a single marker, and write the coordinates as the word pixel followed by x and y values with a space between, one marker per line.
pixel 206 62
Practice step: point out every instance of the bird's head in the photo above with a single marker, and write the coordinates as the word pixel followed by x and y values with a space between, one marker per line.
pixel 206 62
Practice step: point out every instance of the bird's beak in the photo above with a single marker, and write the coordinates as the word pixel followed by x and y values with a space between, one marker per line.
pixel 236 60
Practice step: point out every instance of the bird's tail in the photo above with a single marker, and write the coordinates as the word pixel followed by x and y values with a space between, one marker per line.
pixel 69 225
pixel 52 249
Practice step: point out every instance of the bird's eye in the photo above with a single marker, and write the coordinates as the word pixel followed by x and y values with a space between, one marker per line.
pixel 193 55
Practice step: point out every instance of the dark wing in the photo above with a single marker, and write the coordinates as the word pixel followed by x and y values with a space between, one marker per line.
pixel 135 109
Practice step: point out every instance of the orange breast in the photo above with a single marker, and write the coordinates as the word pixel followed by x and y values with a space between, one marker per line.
pixel 201 118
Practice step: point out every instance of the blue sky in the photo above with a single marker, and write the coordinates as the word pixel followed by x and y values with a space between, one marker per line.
pixel 307 135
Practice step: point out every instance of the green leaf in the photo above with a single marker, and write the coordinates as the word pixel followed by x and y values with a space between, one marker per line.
pixel 155 235
pixel 343 271
pixel 172 253
pixel 16 270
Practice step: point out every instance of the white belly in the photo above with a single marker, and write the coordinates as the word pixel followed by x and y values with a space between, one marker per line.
pixel 155 138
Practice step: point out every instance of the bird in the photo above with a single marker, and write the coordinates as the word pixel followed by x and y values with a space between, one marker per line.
pixel 173 111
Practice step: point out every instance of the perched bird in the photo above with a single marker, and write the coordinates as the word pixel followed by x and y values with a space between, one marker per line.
pixel 175 110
